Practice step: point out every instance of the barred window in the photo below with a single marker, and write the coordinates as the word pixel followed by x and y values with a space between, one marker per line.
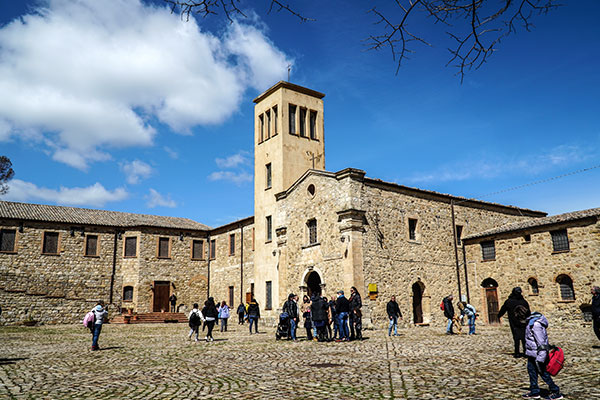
pixel 560 240
pixel 566 287
pixel 269 299
pixel 163 247
pixel 312 231
pixel 131 247
pixel 50 244
pixel 7 240
pixel 197 249
pixel 231 296
pixel 488 250
pixel 91 245
pixel 412 229
pixel 128 293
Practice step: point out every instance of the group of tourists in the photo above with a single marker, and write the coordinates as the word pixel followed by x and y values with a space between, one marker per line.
pixel 466 310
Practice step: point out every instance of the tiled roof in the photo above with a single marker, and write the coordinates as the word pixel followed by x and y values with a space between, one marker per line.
pixel 537 222
pixel 85 216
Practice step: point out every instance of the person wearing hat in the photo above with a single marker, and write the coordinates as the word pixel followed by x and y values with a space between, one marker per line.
pixel 517 327
pixel 342 306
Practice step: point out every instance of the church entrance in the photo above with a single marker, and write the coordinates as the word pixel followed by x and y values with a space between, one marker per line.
pixel 418 288
pixel 490 287
pixel 313 284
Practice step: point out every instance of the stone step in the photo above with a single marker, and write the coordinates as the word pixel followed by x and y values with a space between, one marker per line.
pixel 157 318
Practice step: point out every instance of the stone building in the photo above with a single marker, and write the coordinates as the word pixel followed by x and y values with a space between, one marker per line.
pixel 555 260
pixel 312 231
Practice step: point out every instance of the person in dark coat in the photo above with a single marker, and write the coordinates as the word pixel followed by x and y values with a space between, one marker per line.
pixel 241 310
pixel 393 312
pixel 253 315
pixel 319 315
pixel 173 301
pixel 342 307
pixel 448 313
pixel 210 314
pixel 517 326
pixel 355 316
pixel 596 310
pixel 291 308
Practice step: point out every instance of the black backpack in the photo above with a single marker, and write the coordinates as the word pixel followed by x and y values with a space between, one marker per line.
pixel 194 319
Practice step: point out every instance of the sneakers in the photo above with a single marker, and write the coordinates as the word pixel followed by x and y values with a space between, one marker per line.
pixel 554 396
pixel 530 395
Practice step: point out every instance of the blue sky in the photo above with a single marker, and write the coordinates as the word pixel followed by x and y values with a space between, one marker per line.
pixel 120 105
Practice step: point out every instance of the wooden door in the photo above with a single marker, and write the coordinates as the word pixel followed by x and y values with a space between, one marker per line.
pixel 491 296
pixel 161 296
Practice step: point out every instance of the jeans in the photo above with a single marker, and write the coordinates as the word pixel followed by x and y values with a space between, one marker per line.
pixel 223 324
pixel 532 370
pixel 194 330
pixel 336 327
pixel 293 329
pixel 343 325
pixel 96 335
pixel 471 324
pixel 393 323
pixel 449 327
pixel 252 319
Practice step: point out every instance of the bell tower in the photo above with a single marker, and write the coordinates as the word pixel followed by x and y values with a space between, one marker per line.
pixel 288 140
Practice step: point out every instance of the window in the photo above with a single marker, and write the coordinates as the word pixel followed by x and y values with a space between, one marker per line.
pixel 252 239
pixel 50 244
pixel 268 114
pixel 312 231
pixel 128 293
pixel 197 249
pixel 412 229
pixel 269 228
pixel 292 119
pixel 268 168
pixel 488 250
pixel 261 128
pixel 565 284
pixel 303 122
pixel 213 249
pixel 91 245
pixel 527 238
pixel 533 285
pixel 313 125
pixel 8 240
pixel 269 299
pixel 232 244
pixel 163 250
pixel 459 230
pixel 131 247
pixel 231 296
pixel 275 121
pixel 560 241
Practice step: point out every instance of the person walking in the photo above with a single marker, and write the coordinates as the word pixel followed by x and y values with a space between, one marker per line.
pixel 100 313
pixel 241 310
pixel 536 350
pixel 448 313
pixel 195 319
pixel 355 316
pixel 342 307
pixel 291 308
pixel 253 315
pixel 173 301
pixel 210 314
pixel 224 315
pixel 596 310
pixel 516 327
pixel 393 312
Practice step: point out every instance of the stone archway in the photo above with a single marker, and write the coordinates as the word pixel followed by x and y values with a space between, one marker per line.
pixel 418 288
pixel 313 283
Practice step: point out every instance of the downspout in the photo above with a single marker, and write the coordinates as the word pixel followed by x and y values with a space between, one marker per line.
pixel 114 268
pixel 241 263
pixel 455 249
pixel 466 273
pixel 208 267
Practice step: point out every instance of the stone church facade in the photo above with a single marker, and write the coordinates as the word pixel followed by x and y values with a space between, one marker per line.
pixel 312 231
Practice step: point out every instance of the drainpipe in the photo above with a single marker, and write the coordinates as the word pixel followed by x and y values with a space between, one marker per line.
pixel 466 273
pixel 241 262
pixel 114 268
pixel 455 249
pixel 208 268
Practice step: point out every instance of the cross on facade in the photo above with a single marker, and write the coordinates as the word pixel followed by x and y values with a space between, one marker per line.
pixel 314 157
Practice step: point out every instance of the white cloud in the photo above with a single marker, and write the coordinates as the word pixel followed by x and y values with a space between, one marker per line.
pixel 90 75
pixel 95 195
pixel 172 153
pixel 156 199
pixel 236 177
pixel 136 171
pixel 241 158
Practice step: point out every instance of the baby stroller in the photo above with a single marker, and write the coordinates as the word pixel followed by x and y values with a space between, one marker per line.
pixel 283 327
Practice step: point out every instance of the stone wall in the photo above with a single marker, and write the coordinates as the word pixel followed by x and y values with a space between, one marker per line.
pixel 518 260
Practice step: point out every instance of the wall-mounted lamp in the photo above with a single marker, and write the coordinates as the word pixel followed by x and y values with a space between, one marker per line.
pixel 181 237
pixel 72 231
pixel 21 227
pixel 119 235
pixel 343 239
pixel 151 287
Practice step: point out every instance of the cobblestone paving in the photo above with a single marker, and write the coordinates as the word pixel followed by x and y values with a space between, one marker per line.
pixel 156 361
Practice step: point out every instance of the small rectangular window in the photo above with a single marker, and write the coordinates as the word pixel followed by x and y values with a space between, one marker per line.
pixel 213 249
pixel 268 114
pixel 231 296
pixel 261 128
pixel 303 122
pixel 292 119
pixel 232 244
pixel 275 128
pixel 312 231
pixel 488 250
pixel 50 245
pixel 91 245
pixel 131 247
pixel 412 229
pixel 527 238
pixel 269 227
pixel 269 299
pixel 197 249
pixel 313 125
pixel 268 171
pixel 560 240
pixel 459 230
pixel 164 247
pixel 8 240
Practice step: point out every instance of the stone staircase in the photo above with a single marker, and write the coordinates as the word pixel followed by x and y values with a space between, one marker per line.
pixel 149 318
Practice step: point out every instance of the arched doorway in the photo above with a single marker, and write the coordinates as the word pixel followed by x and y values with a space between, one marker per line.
pixel 490 286
pixel 418 288
pixel 313 284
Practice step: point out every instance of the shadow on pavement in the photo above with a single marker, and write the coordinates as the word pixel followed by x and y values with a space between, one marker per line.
pixel 8 361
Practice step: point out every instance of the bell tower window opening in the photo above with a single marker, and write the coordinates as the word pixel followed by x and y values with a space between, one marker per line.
pixel 313 125
pixel 303 122
pixel 261 128
pixel 292 119
pixel 275 121
pixel 268 114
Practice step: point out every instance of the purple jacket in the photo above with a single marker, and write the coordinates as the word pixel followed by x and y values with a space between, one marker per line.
pixel 536 337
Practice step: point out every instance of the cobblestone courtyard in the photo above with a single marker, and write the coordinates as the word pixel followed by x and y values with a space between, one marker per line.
pixel 155 361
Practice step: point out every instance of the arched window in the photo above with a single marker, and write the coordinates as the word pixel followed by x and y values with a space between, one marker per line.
pixel 566 287
pixel 533 284
pixel 128 293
